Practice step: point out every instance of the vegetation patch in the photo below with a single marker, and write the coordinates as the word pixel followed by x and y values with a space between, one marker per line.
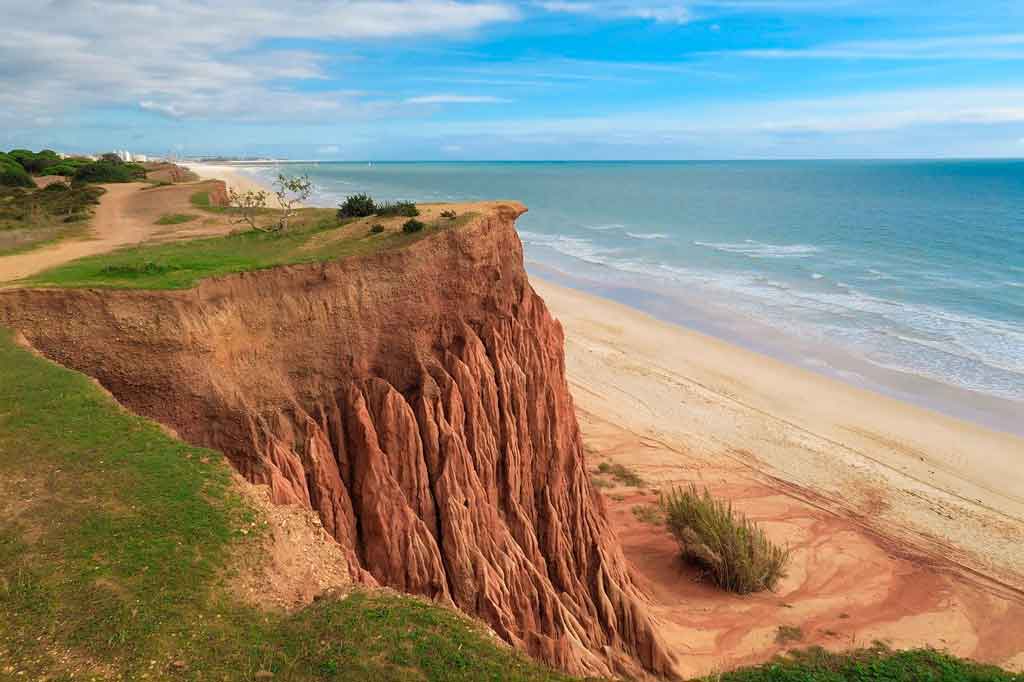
pixel 412 225
pixel 874 664
pixel 32 217
pixel 621 473
pixel 363 205
pixel 175 218
pixel 732 550
pixel 649 513
pixel 404 209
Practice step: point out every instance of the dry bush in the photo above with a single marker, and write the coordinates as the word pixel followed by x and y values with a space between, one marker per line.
pixel 733 550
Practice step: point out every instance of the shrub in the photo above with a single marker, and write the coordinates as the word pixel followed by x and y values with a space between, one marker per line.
pixel 13 174
pixel 734 551
pixel 449 214
pixel 35 162
pixel 376 228
pixel 109 171
pixel 412 225
pixel 356 206
pixel 405 209
pixel 621 473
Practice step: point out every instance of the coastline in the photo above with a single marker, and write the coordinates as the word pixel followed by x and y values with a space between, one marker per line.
pixel 232 176
pixel 900 466
pixel 699 392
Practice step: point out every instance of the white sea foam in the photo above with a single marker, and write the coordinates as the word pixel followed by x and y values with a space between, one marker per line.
pixel 816 275
pixel 647 235
pixel 605 228
pixel 755 249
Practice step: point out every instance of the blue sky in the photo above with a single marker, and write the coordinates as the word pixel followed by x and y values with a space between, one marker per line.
pixel 499 79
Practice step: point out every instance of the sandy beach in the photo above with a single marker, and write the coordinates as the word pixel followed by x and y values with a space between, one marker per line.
pixel 232 176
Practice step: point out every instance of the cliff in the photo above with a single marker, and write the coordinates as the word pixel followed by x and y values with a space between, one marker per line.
pixel 415 399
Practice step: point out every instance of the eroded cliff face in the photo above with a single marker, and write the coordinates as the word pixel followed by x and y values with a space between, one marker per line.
pixel 415 399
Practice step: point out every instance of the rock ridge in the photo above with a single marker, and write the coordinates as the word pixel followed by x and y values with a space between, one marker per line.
pixel 414 399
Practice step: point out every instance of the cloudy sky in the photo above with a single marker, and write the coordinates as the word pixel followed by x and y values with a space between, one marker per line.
pixel 508 79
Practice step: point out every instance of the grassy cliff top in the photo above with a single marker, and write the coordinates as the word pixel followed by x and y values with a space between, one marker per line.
pixel 316 235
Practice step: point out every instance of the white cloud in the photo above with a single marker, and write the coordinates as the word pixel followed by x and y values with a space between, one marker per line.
pixel 455 99
pixel 984 47
pixel 197 59
pixel 663 12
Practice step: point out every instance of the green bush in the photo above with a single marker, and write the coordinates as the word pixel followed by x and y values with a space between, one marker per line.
pixel 734 551
pixel 405 209
pixel 13 174
pixel 621 473
pixel 449 214
pixel 376 228
pixel 110 171
pixel 412 225
pixel 356 206
pixel 66 167
pixel 35 162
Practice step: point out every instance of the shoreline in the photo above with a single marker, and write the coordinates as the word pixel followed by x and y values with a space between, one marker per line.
pixel 815 355
pixel 900 466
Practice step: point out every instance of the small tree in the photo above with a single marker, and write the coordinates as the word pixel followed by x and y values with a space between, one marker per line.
pixel 247 207
pixel 291 193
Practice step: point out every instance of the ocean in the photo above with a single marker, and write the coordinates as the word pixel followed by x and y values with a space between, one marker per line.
pixel 905 277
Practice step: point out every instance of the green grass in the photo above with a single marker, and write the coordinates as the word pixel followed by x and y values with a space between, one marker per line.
pixel 175 218
pixel 315 237
pixel 875 664
pixel 115 551
pixel 732 550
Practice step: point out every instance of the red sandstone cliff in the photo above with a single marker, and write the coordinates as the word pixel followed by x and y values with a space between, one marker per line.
pixel 416 399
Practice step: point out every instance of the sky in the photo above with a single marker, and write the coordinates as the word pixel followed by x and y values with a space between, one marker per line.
pixel 515 80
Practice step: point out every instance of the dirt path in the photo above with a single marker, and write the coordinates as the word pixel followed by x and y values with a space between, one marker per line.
pixel 126 215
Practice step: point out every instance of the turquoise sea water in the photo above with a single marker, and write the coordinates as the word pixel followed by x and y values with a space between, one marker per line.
pixel 915 268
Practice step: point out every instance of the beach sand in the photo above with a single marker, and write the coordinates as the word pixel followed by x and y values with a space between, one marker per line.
pixel 232 176
pixel 907 526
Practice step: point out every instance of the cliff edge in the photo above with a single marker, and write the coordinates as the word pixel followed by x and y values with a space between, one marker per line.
pixel 415 399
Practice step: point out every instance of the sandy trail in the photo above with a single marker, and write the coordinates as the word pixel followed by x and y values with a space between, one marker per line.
pixel 906 525
pixel 126 215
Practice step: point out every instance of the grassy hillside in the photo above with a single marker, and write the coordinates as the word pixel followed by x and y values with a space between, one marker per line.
pixel 115 542
pixel 316 235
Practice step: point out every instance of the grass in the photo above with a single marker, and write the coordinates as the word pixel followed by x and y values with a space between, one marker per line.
pixel 732 550
pixel 116 545
pixel 875 664
pixel 316 236
pixel 175 218
pixel 621 473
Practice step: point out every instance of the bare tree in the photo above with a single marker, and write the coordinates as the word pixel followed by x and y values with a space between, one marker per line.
pixel 291 193
pixel 247 207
